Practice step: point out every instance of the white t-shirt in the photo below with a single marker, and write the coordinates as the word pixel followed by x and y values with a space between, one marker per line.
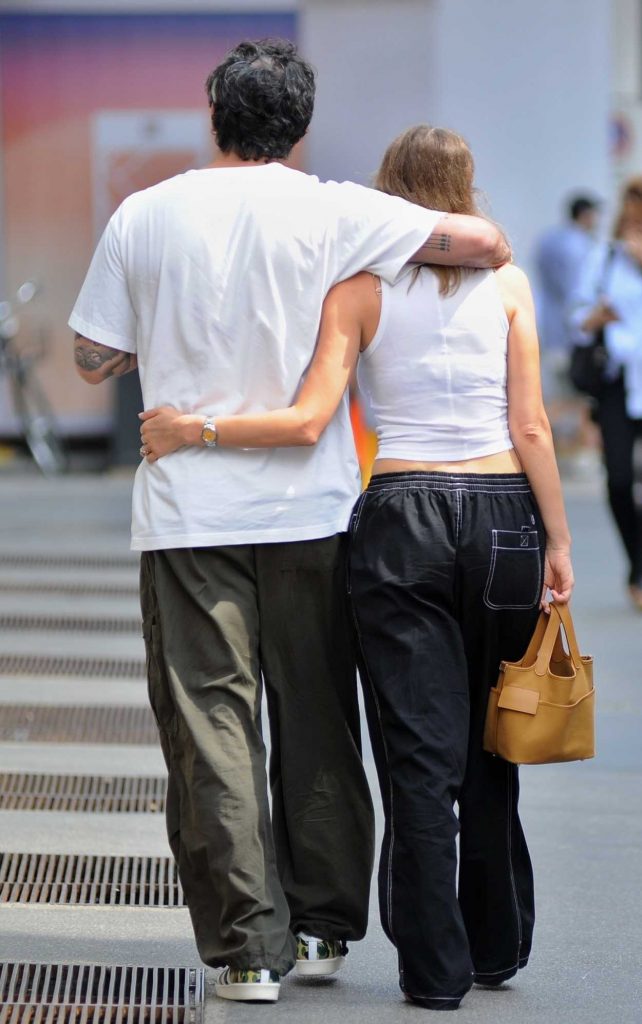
pixel 216 278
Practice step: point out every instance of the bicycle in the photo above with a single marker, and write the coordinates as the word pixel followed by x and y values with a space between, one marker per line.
pixel 34 412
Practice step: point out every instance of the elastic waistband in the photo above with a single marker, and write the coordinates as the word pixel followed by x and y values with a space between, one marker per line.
pixel 486 483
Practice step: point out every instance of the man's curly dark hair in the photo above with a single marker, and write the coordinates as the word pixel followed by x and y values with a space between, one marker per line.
pixel 261 96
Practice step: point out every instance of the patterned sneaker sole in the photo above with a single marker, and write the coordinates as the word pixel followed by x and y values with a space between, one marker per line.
pixel 249 991
pixel 319 968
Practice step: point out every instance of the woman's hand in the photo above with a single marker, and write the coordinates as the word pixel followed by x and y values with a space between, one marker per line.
pixel 162 431
pixel 558 576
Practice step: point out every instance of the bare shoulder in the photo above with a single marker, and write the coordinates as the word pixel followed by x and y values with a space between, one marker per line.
pixel 513 280
pixel 512 277
pixel 514 287
pixel 355 293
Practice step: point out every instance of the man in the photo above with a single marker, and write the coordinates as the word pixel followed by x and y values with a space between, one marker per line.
pixel 212 283
pixel 559 256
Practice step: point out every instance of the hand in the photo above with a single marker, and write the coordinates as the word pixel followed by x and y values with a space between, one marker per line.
pixel 160 432
pixel 599 317
pixel 633 246
pixel 558 576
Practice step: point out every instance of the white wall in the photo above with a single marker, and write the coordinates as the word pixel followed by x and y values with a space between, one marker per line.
pixel 375 78
pixel 528 84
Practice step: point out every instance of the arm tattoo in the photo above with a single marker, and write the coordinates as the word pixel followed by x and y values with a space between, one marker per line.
pixel 440 242
pixel 92 356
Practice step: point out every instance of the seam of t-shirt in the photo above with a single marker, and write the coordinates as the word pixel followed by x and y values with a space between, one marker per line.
pixel 93 333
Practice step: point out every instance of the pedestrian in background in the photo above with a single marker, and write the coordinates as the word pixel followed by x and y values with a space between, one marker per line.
pixel 609 297
pixel 559 256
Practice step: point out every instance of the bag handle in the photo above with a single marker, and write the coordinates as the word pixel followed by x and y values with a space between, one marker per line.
pixel 559 616
pixel 537 639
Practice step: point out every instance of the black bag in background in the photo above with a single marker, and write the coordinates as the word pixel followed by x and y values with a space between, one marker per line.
pixel 587 366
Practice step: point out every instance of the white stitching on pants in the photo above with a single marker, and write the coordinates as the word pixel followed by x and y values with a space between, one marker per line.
pixel 385 750
pixel 510 860
pixel 357 514
pixel 458 518
pixel 495 547
pixel 521 489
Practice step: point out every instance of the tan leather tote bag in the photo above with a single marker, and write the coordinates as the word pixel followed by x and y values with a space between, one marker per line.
pixel 543 708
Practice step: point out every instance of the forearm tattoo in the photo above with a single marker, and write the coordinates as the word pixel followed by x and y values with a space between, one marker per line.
pixel 92 356
pixel 441 242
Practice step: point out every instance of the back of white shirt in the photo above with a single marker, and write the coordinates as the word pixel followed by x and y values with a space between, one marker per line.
pixel 216 278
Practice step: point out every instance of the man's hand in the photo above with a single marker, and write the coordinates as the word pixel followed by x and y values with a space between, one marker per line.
pixel 164 430
pixel 599 317
pixel 633 245
pixel 96 363
pixel 462 241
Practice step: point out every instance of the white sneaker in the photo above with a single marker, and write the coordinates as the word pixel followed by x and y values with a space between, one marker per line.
pixel 317 958
pixel 247 986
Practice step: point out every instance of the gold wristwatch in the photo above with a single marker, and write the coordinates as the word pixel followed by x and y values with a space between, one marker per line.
pixel 209 435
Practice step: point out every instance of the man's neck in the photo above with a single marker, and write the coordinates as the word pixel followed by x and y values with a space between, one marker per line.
pixel 233 160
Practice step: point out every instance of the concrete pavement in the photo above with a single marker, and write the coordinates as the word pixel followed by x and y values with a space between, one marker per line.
pixel 583 821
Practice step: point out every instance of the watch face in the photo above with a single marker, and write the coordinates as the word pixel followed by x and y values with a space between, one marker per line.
pixel 209 434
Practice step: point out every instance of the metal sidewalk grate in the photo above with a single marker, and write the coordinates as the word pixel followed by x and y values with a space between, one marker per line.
pixel 76 589
pixel 86 793
pixel 70 623
pixel 48 561
pixel 39 723
pixel 93 994
pixel 87 880
pixel 62 665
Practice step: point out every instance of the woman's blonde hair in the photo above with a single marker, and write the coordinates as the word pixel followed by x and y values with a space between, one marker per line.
pixel 630 212
pixel 434 168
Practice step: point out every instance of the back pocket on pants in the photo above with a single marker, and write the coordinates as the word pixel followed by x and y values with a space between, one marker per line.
pixel 515 574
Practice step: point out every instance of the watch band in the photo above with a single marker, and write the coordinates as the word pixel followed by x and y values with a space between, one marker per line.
pixel 209 433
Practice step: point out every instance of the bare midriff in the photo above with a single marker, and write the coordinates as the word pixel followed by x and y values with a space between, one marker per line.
pixel 501 462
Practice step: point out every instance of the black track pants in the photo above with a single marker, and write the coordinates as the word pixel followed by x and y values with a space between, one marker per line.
pixel 446 575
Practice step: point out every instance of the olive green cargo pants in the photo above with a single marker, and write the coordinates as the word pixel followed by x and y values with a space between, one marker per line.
pixel 216 621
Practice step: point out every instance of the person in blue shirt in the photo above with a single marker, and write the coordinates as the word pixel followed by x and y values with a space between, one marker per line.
pixel 609 295
pixel 559 256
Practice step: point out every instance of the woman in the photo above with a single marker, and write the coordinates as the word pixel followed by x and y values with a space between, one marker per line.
pixel 461 527
pixel 610 298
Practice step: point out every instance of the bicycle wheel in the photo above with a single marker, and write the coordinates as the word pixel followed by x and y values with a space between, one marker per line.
pixel 38 423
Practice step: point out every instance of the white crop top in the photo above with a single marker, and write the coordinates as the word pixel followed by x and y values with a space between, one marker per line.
pixel 434 375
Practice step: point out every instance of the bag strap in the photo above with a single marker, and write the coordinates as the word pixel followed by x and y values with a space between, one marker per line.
pixel 558 617
pixel 607 268
pixel 564 612
pixel 536 640
pixel 532 651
